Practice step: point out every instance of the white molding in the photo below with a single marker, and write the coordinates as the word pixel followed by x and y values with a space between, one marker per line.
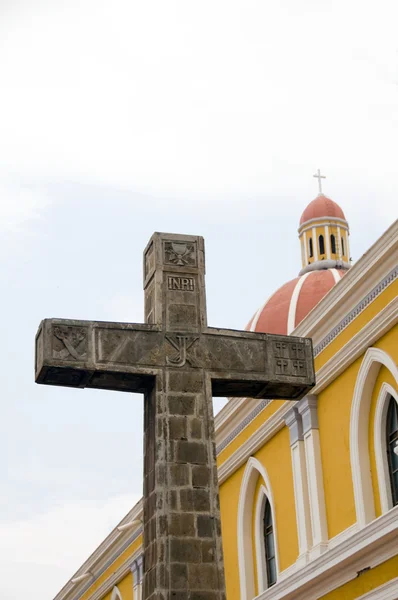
pixel 321 221
pixel 343 536
pixel 291 318
pixel 388 591
pixel 367 336
pixel 262 582
pixel 380 445
pixel 369 547
pixel 116 595
pixel 301 497
pixel 316 492
pixel 359 430
pixel 253 470
pixel 336 275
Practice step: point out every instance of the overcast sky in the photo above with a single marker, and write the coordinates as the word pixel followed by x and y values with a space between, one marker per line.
pixel 125 117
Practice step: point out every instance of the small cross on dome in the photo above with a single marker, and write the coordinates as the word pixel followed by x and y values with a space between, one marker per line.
pixel 319 177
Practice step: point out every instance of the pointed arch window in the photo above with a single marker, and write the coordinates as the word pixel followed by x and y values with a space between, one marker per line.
pixel 311 248
pixel 392 447
pixel 342 246
pixel 321 245
pixel 333 243
pixel 269 545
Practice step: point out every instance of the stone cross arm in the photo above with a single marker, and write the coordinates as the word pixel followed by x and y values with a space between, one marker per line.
pixel 127 357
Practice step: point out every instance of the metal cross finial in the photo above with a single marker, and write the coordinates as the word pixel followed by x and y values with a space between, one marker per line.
pixel 319 177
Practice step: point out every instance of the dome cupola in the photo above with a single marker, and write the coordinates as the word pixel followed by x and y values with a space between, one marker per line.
pixel 323 234
pixel 325 253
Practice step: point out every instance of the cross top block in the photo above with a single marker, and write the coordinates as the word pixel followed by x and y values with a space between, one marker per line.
pixel 128 357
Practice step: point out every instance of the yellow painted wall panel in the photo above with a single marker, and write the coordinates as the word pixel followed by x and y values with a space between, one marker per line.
pixel 249 430
pixel 334 410
pixel 229 499
pixel 367 582
pixel 275 456
pixel 112 568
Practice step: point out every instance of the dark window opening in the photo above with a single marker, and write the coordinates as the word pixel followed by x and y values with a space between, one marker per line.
pixel 269 544
pixel 342 246
pixel 311 248
pixel 333 243
pixel 321 245
pixel 392 448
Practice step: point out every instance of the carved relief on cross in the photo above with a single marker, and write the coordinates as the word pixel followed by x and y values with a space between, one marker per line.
pixel 178 362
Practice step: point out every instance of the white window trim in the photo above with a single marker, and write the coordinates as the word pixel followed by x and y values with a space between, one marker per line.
pixel 359 431
pixel 380 443
pixel 262 579
pixel 253 470
pixel 116 595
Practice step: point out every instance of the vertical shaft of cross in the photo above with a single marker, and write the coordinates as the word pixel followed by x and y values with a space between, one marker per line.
pixel 182 532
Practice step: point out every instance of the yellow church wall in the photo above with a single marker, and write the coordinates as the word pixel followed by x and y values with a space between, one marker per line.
pixel 112 568
pixel 229 499
pixel 357 324
pixel 249 430
pixel 125 587
pixel 383 376
pixel 275 456
pixel 334 410
pixel 368 581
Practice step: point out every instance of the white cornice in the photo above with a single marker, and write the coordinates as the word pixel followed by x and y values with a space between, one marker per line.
pixel 381 323
pixel 322 222
pixel 106 553
pixel 369 547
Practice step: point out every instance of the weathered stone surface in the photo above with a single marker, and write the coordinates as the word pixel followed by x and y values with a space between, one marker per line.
pixel 178 363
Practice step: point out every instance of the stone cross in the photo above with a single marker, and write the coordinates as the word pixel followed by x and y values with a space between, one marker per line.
pixel 319 177
pixel 178 363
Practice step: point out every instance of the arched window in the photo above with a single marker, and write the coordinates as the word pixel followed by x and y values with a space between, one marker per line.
pixel 311 248
pixel 333 243
pixel 269 544
pixel 342 246
pixel 321 245
pixel 392 447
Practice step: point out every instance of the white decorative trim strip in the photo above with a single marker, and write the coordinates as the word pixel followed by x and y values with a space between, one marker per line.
pixel 321 220
pixel 369 298
pixel 369 547
pixel 258 314
pixel 388 591
pixel 380 445
pixel 126 566
pixel 359 430
pixel 260 407
pixel 336 275
pixel 291 319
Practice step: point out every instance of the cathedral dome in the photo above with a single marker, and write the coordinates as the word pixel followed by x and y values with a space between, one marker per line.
pixel 322 207
pixel 288 306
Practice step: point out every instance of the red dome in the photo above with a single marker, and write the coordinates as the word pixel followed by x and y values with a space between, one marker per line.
pixel 322 206
pixel 288 306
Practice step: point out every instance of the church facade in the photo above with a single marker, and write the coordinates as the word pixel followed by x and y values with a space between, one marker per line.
pixel 308 489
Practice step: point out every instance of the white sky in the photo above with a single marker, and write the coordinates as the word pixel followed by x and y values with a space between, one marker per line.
pixel 121 118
